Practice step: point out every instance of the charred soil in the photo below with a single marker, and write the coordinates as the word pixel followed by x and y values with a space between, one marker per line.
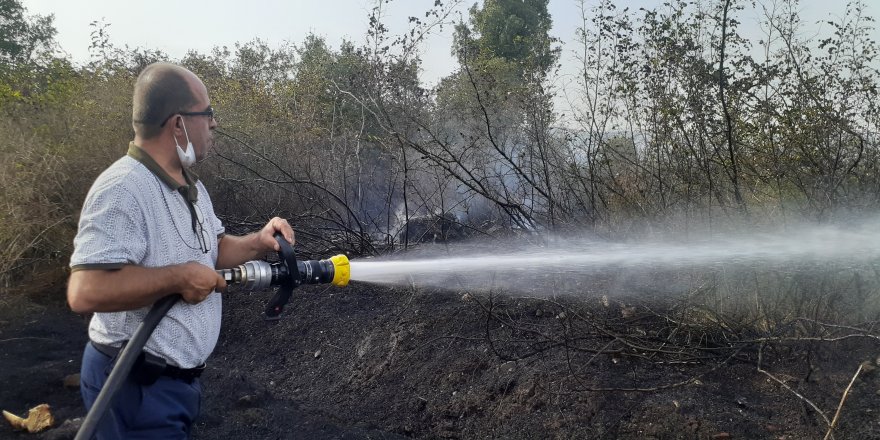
pixel 370 362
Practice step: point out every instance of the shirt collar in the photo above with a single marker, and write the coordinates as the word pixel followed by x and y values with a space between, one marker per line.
pixel 189 190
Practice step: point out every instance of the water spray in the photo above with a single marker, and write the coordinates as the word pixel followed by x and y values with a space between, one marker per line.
pixel 523 267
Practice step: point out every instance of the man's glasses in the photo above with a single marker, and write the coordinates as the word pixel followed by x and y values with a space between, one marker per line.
pixel 201 232
pixel 198 223
pixel 209 113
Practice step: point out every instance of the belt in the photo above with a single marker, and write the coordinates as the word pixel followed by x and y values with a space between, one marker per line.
pixel 187 374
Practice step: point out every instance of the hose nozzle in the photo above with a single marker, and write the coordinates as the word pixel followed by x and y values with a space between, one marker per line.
pixel 259 275
pixel 287 274
pixel 341 270
pixel 334 270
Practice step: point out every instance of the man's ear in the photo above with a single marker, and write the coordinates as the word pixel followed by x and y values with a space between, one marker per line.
pixel 176 127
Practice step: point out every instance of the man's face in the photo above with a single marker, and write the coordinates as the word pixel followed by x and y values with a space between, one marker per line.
pixel 200 128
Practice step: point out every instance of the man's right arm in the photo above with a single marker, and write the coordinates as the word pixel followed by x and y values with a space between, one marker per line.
pixel 132 287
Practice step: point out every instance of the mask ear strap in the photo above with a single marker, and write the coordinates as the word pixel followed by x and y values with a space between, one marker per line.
pixel 175 138
pixel 184 129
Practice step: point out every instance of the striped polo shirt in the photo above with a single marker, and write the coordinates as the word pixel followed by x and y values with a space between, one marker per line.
pixel 135 213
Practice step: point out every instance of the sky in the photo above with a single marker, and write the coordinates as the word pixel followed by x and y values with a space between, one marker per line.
pixel 177 26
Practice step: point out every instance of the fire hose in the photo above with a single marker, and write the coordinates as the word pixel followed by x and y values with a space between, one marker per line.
pixel 256 275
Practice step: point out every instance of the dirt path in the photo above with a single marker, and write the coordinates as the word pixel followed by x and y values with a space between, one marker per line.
pixel 382 363
pixel 41 343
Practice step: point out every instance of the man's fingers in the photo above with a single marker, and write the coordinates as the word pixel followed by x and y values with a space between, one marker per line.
pixel 279 225
pixel 221 284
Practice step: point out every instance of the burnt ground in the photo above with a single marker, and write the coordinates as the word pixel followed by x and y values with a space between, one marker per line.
pixel 370 362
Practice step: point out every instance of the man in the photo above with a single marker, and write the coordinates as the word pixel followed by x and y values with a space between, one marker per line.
pixel 148 230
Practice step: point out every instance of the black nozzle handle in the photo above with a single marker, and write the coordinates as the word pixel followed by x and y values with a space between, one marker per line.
pixel 289 282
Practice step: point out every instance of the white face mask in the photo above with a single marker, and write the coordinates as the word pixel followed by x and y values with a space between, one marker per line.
pixel 188 157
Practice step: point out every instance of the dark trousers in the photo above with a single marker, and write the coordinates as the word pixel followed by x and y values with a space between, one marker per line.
pixel 163 410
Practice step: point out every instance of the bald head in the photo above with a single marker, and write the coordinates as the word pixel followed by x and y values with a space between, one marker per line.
pixel 161 90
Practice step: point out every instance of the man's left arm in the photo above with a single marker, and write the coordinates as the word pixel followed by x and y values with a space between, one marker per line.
pixel 234 250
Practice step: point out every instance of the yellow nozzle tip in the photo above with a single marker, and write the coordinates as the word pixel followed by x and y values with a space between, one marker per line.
pixel 341 270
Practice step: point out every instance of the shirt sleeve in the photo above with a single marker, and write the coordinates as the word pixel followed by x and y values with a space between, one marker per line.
pixel 112 230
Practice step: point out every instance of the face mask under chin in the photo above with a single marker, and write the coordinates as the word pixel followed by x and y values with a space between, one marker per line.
pixel 188 157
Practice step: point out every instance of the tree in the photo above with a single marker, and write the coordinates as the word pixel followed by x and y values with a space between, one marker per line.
pixel 491 129
pixel 514 33
pixel 21 37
